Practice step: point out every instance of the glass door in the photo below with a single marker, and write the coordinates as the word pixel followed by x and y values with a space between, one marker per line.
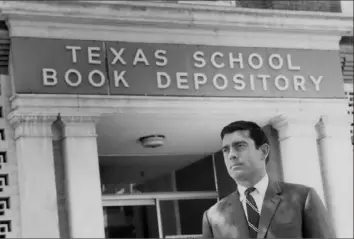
pixel 130 217
pixel 131 221
pixel 182 218
pixel 156 215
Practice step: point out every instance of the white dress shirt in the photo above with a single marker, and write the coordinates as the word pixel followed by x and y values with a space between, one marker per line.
pixel 258 194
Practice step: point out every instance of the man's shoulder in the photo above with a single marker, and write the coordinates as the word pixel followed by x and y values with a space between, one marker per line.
pixel 222 204
pixel 294 190
pixel 290 187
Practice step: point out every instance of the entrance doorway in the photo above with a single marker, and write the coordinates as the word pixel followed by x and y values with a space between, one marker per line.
pixel 165 205
pixel 129 221
pixel 156 215
pixel 163 192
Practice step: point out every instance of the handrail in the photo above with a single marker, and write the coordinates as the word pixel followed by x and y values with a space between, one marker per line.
pixel 129 202
pixel 184 236
pixel 163 196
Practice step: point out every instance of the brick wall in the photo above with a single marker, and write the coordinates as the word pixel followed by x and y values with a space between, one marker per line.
pixel 9 191
pixel 347 62
pixel 295 5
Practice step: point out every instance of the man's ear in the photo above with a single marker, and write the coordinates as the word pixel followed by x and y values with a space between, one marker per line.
pixel 265 148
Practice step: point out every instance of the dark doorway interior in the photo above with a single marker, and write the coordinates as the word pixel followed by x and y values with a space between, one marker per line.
pixel 131 222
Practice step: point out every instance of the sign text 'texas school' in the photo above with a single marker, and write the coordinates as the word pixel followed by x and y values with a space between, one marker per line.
pixel 52 66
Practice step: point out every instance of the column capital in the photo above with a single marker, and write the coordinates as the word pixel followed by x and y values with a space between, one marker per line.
pixel 72 119
pixel 334 126
pixel 27 125
pixel 79 125
pixel 299 125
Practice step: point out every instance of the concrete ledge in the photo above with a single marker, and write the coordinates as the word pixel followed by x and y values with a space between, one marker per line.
pixel 177 15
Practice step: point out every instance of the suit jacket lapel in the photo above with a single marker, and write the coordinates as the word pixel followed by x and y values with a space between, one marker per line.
pixel 270 204
pixel 237 217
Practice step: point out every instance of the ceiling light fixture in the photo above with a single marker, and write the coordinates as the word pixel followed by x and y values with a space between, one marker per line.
pixel 152 141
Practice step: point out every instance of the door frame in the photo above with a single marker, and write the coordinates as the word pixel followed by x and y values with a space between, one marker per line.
pixel 112 200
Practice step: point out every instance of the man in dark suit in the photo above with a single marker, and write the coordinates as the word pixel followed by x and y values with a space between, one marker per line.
pixel 261 207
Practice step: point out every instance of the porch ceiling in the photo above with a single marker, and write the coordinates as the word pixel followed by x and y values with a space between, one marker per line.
pixel 189 137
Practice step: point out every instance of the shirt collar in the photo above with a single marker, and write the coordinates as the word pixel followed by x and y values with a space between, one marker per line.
pixel 261 187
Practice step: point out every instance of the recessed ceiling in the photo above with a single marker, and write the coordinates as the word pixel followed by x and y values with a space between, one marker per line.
pixel 118 134
pixel 192 134
pixel 128 169
pixel 188 137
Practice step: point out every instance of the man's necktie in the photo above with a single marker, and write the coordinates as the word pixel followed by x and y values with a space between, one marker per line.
pixel 252 212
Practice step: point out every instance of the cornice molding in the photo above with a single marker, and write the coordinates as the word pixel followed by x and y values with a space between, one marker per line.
pixel 329 124
pixel 333 126
pixel 87 105
pixel 78 126
pixel 80 114
pixel 39 123
pixel 295 125
pixel 26 125
pixel 18 119
pixel 46 18
pixel 72 119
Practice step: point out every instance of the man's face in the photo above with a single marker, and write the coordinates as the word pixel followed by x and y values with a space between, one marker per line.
pixel 242 159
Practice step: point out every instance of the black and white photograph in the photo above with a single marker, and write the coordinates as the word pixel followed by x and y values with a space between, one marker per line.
pixel 176 119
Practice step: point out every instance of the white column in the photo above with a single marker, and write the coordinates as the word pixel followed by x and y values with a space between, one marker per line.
pixel 36 176
pixel 336 153
pixel 82 177
pixel 347 7
pixel 299 154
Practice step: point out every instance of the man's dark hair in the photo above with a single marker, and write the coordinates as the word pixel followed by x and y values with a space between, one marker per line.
pixel 255 132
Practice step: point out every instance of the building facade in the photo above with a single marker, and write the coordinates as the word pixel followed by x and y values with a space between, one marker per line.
pixel 111 111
